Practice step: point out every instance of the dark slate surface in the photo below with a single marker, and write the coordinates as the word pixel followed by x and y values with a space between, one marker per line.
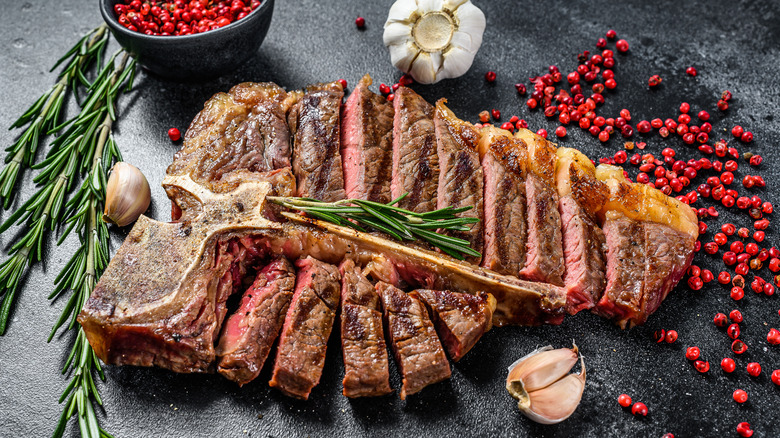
pixel 734 45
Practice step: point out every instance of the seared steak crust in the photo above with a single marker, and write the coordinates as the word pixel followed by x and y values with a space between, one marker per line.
pixel 415 160
pixel 503 167
pixel 367 144
pixel 460 174
pixel 417 349
pixel 460 319
pixel 315 126
pixel 366 371
pixel 307 326
pixel 250 332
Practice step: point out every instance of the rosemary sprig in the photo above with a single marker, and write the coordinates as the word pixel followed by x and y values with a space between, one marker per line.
pixel 399 223
pixel 59 171
pixel 79 276
pixel 42 117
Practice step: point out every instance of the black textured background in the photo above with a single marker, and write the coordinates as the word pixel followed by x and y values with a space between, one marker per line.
pixel 734 45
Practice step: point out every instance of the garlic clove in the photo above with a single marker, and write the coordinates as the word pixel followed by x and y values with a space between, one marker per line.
pixel 541 383
pixel 127 195
pixel 556 402
pixel 402 56
pixel 397 33
pixel 541 368
pixel 425 6
pixel 456 63
pixel 423 70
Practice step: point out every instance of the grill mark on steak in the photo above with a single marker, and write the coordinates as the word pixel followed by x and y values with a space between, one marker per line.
pixel 503 166
pixel 307 327
pixel 316 162
pixel 418 352
pixel 415 161
pixel 366 368
pixel 460 175
pixel 250 332
pixel 460 319
pixel 367 144
pixel 544 256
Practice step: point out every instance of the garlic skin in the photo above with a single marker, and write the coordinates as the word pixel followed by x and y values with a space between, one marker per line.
pixel 127 195
pixel 433 39
pixel 541 383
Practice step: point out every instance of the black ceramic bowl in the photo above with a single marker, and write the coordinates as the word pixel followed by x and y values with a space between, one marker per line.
pixel 193 57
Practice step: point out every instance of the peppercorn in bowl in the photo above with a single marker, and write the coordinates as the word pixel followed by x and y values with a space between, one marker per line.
pixel 189 40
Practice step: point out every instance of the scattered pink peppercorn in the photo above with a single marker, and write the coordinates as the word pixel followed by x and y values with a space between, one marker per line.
pixel 740 396
pixel 624 400
pixel 671 336
pixel 744 430
pixel 174 134
pixel 701 366
pixel 360 22
pixel 691 71
pixel 343 83
pixel 654 81
pixel 611 34
pixel 621 46
pixel 754 369
pixel 776 377
pixel 639 408
pixel 738 347
pixel 490 76
pixel 728 365
pixel 692 353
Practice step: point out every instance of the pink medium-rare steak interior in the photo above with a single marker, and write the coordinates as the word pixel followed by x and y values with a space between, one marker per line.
pixel 367 144
pixel 249 333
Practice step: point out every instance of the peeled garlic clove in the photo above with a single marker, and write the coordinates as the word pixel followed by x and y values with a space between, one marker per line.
pixel 556 402
pixel 433 39
pixel 127 195
pixel 541 383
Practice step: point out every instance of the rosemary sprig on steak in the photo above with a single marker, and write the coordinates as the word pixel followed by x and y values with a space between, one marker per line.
pixel 399 223
pixel 44 115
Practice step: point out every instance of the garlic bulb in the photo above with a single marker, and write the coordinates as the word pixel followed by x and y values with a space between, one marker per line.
pixel 541 383
pixel 433 39
pixel 127 195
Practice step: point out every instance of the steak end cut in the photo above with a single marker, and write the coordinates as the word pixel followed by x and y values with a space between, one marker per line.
pixel 460 319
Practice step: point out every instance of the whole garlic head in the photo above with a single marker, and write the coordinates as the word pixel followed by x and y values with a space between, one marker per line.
pixel 541 383
pixel 127 195
pixel 433 39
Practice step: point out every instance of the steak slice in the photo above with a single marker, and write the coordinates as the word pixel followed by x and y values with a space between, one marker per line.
pixel 504 169
pixel 636 285
pixel 584 244
pixel 460 173
pixel 250 332
pixel 650 243
pixel 315 126
pixel 544 257
pixel 366 371
pixel 417 349
pixel 460 319
pixel 307 326
pixel 367 144
pixel 415 160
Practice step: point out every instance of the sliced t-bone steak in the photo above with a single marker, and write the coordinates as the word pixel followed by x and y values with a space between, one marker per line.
pixel 460 173
pixel 250 332
pixel 504 168
pixel 366 371
pixel 584 244
pixel 367 144
pixel 307 326
pixel 544 257
pixel 315 125
pixel 460 319
pixel 417 349
pixel 415 161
